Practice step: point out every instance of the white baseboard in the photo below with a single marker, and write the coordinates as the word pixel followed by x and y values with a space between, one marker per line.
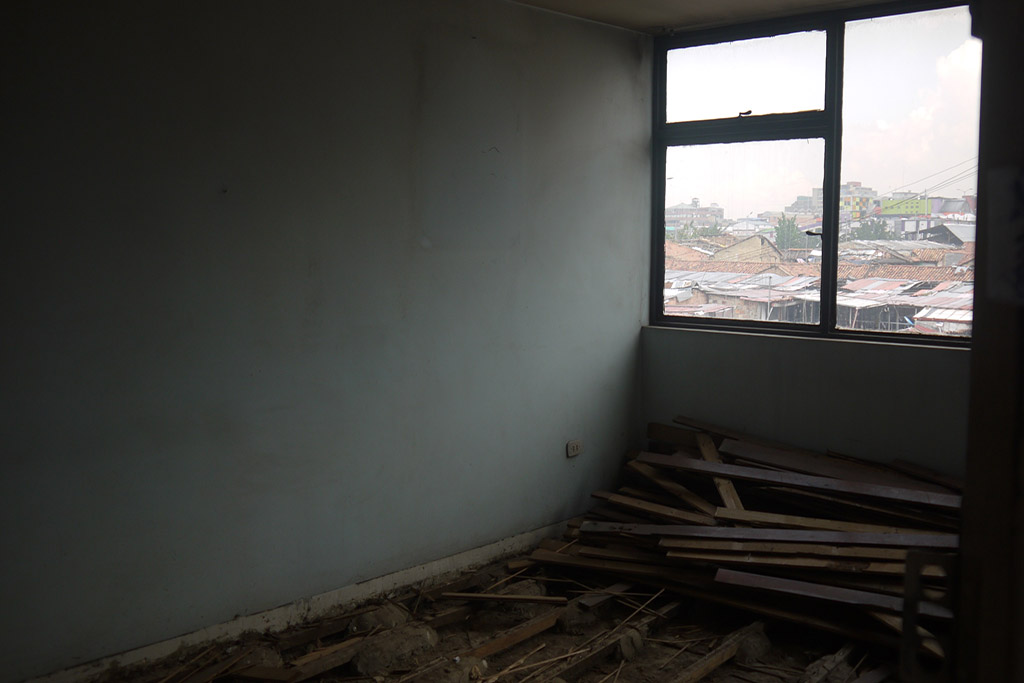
pixel 306 609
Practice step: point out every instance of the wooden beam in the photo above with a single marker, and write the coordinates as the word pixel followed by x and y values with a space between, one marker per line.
pixel 901 495
pixel 726 489
pixel 807 462
pixel 847 596
pixel 676 489
pixel 654 509
pixel 324 659
pixel 774 519
pixel 816 549
pixel 517 635
pixel 795 562
pixel 910 539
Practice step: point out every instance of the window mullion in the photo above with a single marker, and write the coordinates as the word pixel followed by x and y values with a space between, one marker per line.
pixel 833 165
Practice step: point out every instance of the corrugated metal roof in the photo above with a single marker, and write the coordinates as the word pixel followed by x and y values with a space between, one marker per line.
pixel 945 315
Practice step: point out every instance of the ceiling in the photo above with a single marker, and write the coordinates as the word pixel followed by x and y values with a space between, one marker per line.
pixel 661 16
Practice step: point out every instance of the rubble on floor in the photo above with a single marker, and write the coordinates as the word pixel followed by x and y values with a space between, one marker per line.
pixel 720 557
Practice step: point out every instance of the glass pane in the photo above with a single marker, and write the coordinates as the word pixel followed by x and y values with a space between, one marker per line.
pixel 761 76
pixel 732 247
pixel 910 163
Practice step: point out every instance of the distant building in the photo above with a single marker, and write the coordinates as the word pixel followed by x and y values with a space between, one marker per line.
pixel 700 216
pixel 756 249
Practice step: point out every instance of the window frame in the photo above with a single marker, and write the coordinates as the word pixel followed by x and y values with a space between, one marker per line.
pixel 825 124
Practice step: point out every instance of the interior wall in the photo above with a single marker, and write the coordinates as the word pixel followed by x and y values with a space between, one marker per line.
pixel 298 294
pixel 869 400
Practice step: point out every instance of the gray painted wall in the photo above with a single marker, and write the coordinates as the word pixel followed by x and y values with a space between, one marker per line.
pixel 874 401
pixel 298 294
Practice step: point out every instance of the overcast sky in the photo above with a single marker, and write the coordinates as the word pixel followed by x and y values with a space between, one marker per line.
pixel 911 97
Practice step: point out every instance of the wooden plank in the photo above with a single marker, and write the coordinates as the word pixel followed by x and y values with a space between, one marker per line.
pixel 848 596
pixel 796 562
pixel 508 597
pixel 325 659
pixel 833 624
pixel 817 549
pixel 857 507
pixel 653 509
pixel 650 496
pixel 808 462
pixel 774 519
pixel 517 635
pixel 718 656
pixel 726 489
pixel 676 489
pixel 622 554
pixel 901 495
pixel 609 566
pixel 910 539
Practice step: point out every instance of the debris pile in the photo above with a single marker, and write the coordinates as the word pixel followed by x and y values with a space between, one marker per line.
pixel 839 544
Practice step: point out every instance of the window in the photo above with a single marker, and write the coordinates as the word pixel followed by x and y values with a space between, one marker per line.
pixel 818 176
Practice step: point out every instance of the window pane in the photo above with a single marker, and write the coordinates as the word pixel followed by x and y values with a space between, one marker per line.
pixel 732 249
pixel 910 160
pixel 763 76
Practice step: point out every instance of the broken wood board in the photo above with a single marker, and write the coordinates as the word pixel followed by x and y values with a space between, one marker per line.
pixel 794 562
pixel 911 538
pixel 675 488
pixel 775 519
pixel 325 659
pixel 654 509
pixel 818 549
pixel 726 489
pixel 807 462
pixel 819 591
pixel 847 508
pixel 516 635
pixel 899 495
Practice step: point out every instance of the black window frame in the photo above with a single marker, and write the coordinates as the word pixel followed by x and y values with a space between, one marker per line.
pixel 825 124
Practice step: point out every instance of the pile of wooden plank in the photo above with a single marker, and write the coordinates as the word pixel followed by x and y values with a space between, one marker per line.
pixel 820 539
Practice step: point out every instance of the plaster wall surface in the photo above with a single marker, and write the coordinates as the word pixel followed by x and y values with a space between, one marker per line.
pixel 300 294
pixel 873 401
